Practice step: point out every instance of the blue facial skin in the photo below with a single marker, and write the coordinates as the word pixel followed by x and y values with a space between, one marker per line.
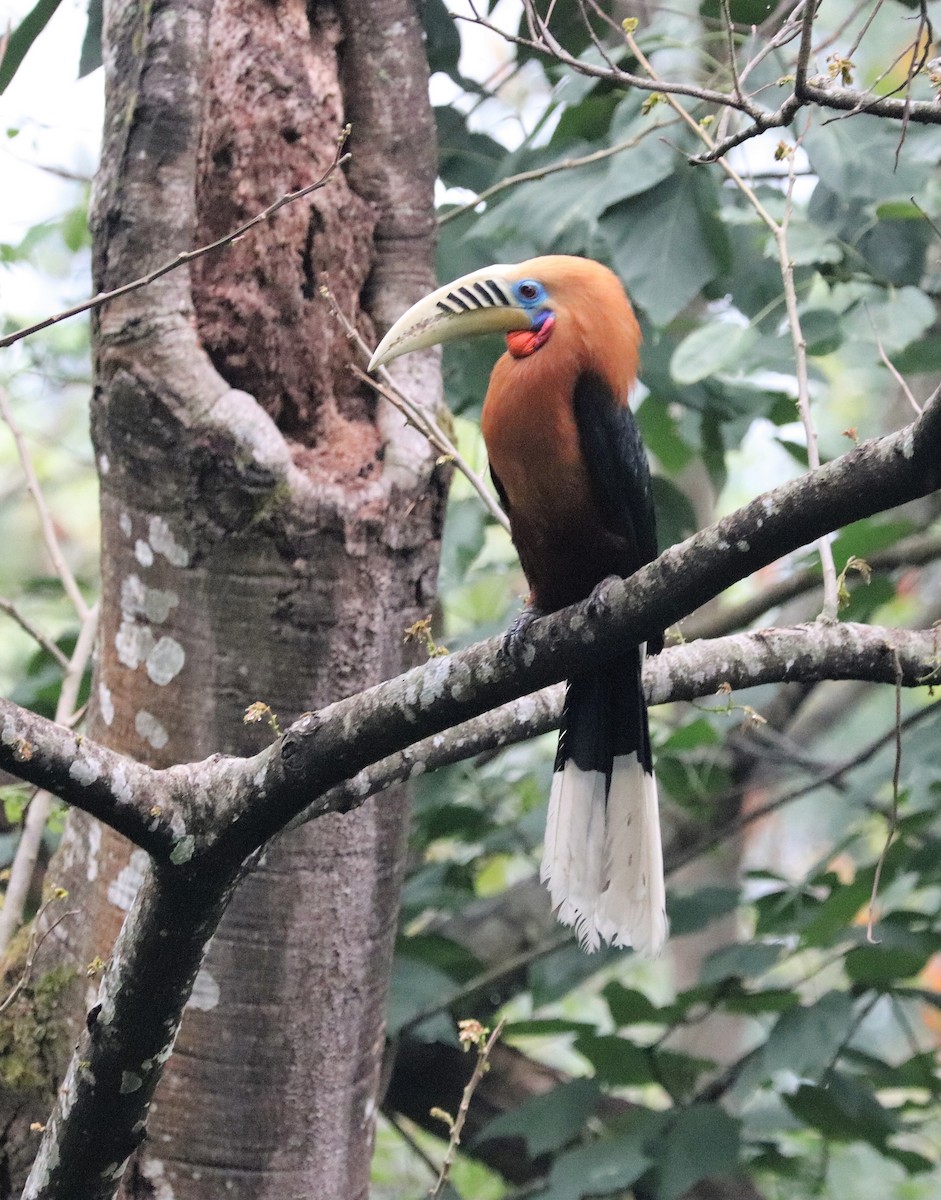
pixel 530 294
pixel 534 299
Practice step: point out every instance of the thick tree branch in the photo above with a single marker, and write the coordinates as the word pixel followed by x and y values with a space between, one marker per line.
pixel 324 749
pixel 800 654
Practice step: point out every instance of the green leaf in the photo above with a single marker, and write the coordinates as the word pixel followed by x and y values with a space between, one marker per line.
pixel 90 57
pixel 617 1061
pixel 465 159
pixel 693 735
pixel 822 331
pixel 547 1027
pixel 442 40
pixel 694 911
pixel 747 960
pixel 658 245
pixel 414 987
pixel 712 349
pixel 661 433
pixel 699 1142
pixel 556 214
pixel 843 1109
pixel 676 517
pixel 807 245
pixel 601 1169
pixel 852 157
pixel 899 954
pixel 547 1122
pixel 21 39
pixel 628 1006
pixel 803 1042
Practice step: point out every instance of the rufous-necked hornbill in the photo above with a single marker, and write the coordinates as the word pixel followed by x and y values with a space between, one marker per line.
pixel 570 470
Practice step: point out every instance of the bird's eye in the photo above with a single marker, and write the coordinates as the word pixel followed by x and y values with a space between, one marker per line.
pixel 529 290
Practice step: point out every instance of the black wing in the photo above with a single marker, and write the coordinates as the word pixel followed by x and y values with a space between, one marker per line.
pixel 617 464
pixel 501 491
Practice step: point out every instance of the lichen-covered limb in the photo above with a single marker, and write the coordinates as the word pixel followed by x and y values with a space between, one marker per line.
pixel 802 653
pixel 323 749
pixel 100 1115
pixel 326 748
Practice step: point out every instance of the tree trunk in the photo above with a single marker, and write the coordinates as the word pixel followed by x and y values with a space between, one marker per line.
pixel 268 532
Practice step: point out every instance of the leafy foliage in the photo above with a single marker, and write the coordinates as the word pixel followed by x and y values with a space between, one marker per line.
pixel 823 1034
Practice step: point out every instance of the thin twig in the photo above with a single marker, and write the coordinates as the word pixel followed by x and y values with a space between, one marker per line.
pixel 189 256
pixel 567 164
pixel 891 367
pixel 36 634
pixel 413 413
pixel 24 862
pixel 831 597
pixel 407 1137
pixel 53 548
pixel 894 809
pixel 36 940
pixel 484 1051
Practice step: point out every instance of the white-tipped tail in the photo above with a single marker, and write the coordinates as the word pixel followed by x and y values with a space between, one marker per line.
pixel 603 861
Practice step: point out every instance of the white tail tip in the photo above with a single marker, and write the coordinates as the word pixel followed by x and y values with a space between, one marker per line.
pixel 603 861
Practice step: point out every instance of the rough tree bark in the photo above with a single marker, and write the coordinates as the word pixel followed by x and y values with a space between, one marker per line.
pixel 268 533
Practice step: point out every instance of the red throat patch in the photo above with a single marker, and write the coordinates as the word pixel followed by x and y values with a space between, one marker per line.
pixel 523 342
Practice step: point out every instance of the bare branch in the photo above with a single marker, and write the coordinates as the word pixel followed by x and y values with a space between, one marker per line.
pixel 565 164
pixel 414 413
pixel 53 548
pixel 34 632
pixel 37 815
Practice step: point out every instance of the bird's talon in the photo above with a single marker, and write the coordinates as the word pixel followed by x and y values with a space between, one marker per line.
pixel 514 640
pixel 598 600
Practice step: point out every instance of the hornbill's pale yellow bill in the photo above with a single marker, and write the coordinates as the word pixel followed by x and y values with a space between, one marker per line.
pixel 481 302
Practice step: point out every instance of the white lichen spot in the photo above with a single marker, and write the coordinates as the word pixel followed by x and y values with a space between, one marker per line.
pixel 743 546
pixel 105 702
pixel 417 769
pixel 205 993
pixel 104 464
pixel 124 523
pixel 121 891
pixel 183 850
pixel 94 847
pixel 84 771
pixel 154 1172
pixel 460 679
pixel 118 1169
pixel 121 784
pixel 437 740
pixel 157 604
pixel 165 661
pixel 8 734
pixel 133 643
pixel 143 553
pixel 526 709
pixel 163 542
pixel 150 729
pixel 767 504
pixel 130 1082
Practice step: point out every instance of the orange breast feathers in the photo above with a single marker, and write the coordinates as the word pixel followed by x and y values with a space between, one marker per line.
pixel 532 438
